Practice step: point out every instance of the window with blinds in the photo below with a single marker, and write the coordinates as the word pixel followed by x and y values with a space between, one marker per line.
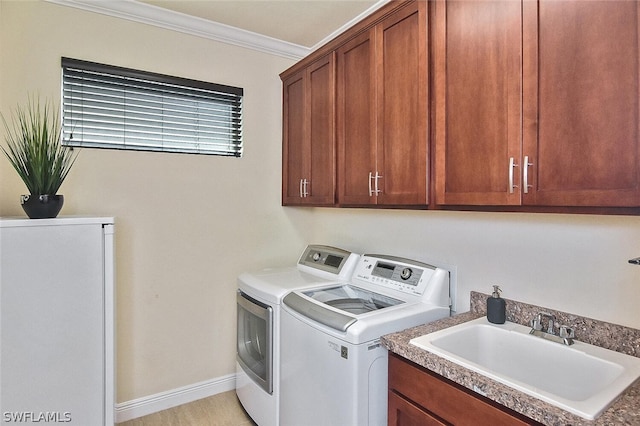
pixel 119 108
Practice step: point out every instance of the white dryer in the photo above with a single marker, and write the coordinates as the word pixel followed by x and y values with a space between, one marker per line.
pixel 258 319
pixel 333 366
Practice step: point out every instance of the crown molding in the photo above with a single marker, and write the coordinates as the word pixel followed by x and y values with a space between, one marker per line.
pixel 152 15
pixel 349 24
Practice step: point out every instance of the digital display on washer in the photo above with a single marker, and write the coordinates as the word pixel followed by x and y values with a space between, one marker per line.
pixel 401 274
pixel 383 270
pixel 333 261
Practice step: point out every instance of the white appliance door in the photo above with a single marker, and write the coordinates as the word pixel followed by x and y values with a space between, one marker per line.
pixel 326 381
pixel 255 340
pixel 256 372
pixel 52 331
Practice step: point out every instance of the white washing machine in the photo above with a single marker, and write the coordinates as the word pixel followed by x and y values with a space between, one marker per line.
pixel 333 367
pixel 258 339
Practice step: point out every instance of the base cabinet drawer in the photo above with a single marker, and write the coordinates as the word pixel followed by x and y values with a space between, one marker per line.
pixel 420 397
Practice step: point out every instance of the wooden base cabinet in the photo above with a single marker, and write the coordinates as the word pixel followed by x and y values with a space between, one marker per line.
pixel 419 397
pixel 537 103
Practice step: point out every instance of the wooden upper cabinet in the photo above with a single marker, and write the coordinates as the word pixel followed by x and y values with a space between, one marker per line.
pixel 477 51
pixel 403 96
pixel 536 107
pixel 537 103
pixel 322 170
pixel 293 146
pixel 308 173
pixel 382 120
pixel 356 131
pixel 581 103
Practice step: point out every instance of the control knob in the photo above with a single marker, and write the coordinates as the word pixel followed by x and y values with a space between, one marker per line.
pixel 316 256
pixel 406 273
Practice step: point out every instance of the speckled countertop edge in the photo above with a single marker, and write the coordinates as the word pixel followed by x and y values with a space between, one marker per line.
pixel 624 411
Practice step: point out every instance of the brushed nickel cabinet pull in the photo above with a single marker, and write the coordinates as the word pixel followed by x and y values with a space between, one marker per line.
pixel 304 188
pixel 512 165
pixel 525 174
pixel 373 184
pixel 370 186
pixel 376 190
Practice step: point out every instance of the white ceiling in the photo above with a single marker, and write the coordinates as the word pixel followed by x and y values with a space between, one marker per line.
pixel 306 23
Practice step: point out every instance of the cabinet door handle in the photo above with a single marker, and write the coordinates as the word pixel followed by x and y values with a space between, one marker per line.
pixel 376 190
pixel 525 174
pixel 301 189
pixel 370 187
pixel 512 165
pixel 305 187
pixel 373 187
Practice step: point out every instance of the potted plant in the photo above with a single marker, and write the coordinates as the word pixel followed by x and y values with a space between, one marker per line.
pixel 35 150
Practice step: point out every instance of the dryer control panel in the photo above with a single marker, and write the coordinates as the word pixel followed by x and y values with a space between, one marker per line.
pixel 337 262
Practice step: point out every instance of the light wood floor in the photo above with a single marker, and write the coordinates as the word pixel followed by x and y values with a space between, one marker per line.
pixel 222 409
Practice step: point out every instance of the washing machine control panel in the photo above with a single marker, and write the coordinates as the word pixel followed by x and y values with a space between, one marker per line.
pixel 400 274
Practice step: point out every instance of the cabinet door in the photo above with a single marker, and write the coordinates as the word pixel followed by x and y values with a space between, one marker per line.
pixel 382 112
pixel 402 97
pixel 295 146
pixel 356 117
pixel 308 174
pixel 321 172
pixel 581 103
pixel 52 317
pixel 478 102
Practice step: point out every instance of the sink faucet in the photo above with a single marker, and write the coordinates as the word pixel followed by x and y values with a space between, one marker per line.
pixel 536 323
pixel 565 334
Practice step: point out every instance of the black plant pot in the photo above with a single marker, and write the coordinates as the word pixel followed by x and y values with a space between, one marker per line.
pixel 42 206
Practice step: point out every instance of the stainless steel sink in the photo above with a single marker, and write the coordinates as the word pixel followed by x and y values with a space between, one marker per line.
pixel 583 379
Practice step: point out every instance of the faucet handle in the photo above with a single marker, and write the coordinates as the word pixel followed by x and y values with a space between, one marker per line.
pixel 567 332
pixel 536 323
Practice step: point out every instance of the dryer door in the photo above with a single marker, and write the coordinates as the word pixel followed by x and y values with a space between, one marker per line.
pixel 255 340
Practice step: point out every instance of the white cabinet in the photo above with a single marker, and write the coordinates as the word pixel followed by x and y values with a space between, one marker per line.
pixel 56 321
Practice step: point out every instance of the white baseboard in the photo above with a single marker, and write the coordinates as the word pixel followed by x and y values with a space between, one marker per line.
pixel 161 401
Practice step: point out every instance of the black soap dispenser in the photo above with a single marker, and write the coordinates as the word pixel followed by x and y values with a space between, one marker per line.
pixel 496 307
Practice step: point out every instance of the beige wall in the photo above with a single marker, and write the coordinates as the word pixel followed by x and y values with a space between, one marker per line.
pixel 574 263
pixel 187 225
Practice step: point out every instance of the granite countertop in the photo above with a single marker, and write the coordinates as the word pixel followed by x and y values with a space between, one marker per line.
pixel 624 411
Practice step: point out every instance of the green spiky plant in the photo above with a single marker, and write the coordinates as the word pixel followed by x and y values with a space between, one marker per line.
pixel 34 148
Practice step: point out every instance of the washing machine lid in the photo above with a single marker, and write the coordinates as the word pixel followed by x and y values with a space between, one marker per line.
pixel 352 299
pixel 345 299
pixel 309 309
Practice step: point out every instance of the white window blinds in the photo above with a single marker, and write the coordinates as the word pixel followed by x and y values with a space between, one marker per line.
pixel 113 107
